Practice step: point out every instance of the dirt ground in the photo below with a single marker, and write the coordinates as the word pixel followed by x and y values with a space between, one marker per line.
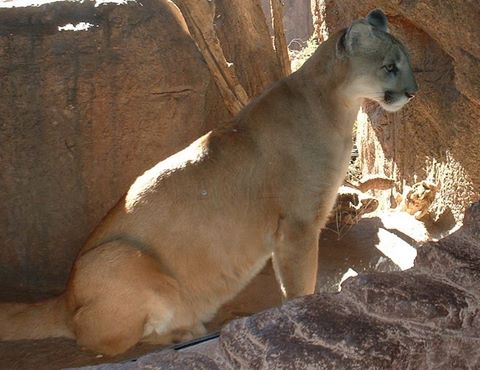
pixel 383 242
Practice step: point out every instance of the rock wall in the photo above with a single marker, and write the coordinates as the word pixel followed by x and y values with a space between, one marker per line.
pixel 297 21
pixel 243 33
pixel 437 135
pixel 83 113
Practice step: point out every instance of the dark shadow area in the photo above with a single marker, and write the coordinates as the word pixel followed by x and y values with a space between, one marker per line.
pixel 354 250
pixel 440 228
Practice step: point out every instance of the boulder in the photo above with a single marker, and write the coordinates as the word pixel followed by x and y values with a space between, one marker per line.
pixel 297 21
pixel 244 36
pixel 83 113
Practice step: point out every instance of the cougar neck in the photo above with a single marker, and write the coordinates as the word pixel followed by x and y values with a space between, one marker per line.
pixel 325 78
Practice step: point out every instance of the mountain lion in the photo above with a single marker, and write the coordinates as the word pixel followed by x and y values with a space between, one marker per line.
pixel 192 231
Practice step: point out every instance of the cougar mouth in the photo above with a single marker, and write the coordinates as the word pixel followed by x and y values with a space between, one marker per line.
pixel 392 104
pixel 388 97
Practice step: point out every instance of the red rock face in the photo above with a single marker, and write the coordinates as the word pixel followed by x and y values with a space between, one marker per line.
pixel 437 135
pixel 252 53
pixel 82 115
pixel 297 20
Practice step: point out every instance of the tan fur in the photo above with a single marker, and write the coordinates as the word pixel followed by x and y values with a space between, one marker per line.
pixel 21 320
pixel 192 231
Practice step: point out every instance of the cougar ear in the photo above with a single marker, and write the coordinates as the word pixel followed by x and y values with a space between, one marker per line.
pixel 359 35
pixel 378 20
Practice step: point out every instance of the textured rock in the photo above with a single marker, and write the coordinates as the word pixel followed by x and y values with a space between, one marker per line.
pixel 253 48
pixel 166 360
pixel 425 318
pixel 298 21
pixel 82 114
pixel 440 126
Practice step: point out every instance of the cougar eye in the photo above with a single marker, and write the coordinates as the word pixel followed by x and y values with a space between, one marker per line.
pixel 390 68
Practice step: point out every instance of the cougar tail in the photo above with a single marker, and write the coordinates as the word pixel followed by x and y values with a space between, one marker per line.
pixel 45 319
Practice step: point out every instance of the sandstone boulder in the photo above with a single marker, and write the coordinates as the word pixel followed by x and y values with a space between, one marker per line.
pixel 82 114
pixel 297 20
pixel 243 33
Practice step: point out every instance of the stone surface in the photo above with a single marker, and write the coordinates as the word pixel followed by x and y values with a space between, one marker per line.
pixel 440 126
pixel 243 33
pixel 83 113
pixel 427 317
pixel 297 21
pixel 166 360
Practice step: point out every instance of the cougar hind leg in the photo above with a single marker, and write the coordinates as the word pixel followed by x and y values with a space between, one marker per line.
pixel 117 290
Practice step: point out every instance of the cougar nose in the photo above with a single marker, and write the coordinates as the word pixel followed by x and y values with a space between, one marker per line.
pixel 410 94
pixel 411 91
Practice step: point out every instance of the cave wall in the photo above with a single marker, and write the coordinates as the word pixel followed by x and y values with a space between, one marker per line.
pixel 83 113
pixel 437 135
pixel 243 33
pixel 298 22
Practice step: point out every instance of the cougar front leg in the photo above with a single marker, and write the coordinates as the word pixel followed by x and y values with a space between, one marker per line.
pixel 295 258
